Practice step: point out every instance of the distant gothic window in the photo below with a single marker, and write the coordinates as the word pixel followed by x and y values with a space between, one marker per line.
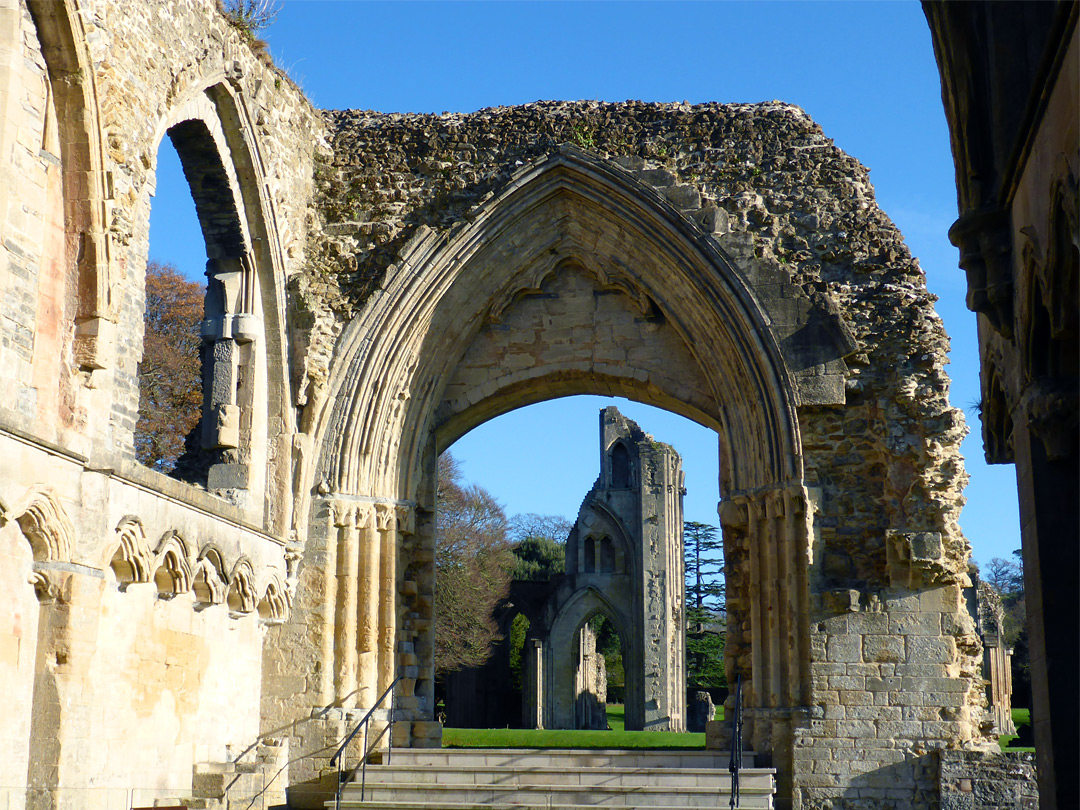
pixel 620 467
pixel 590 555
pixel 607 556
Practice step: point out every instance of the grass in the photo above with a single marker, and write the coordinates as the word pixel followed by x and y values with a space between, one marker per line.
pixel 1020 717
pixel 616 737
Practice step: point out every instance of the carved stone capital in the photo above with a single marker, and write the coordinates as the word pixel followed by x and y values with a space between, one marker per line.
pixel 345 514
pixel 385 517
pixel 406 519
pixel 775 503
pixel 1052 412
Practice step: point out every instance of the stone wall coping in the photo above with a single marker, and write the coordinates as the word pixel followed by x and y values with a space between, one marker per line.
pixel 150 481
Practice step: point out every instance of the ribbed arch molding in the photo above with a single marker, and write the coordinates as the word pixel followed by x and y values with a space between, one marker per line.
pixel 705 348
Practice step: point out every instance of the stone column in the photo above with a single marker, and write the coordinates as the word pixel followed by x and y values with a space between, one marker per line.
pixel 367 606
pixel 386 519
pixel 345 641
pixel 535 685
pixel 766 542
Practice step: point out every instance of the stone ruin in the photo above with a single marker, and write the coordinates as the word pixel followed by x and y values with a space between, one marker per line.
pixel 997 659
pixel 624 561
pixel 385 283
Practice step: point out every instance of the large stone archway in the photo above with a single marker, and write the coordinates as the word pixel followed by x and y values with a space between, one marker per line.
pixel 575 280
pixel 783 313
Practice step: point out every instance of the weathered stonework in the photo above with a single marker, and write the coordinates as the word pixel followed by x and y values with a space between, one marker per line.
pixel 135 653
pixel 381 284
pixel 869 643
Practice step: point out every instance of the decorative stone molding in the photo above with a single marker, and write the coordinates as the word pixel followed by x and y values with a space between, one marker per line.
pixel 274 606
pixel 984 238
pixel 44 522
pixel 242 597
pixel 210 583
pixel 133 561
pixel 172 566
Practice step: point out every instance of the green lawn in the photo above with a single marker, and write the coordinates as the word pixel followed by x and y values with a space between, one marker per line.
pixel 617 737
pixel 1021 717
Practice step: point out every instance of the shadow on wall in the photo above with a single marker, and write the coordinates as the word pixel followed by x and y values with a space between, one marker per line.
pixel 964 780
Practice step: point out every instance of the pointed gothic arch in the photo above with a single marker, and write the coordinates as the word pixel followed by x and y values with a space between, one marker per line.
pixel 394 384
pixel 245 376
pixel 576 279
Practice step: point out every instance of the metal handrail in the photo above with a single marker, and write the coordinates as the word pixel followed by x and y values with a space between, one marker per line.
pixel 735 764
pixel 339 755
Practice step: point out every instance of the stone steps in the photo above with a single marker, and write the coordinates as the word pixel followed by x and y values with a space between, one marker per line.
pixel 457 779
pixel 568 757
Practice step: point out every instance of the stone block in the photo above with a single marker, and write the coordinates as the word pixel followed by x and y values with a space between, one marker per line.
pixel 427 730
pixel 683 197
pixel 717 735
pixel 868 623
pixel 850 698
pixel 939 650
pixel 915 624
pixel 884 684
pixel 883 649
pixel 844 649
pixel 401 736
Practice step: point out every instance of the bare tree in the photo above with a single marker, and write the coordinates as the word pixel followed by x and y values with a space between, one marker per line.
pixel 473 562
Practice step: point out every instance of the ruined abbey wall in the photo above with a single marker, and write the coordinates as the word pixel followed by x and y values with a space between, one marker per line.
pixel 135 606
pixel 409 277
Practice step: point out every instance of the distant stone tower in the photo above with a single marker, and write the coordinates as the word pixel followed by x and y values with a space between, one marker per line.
pixel 624 559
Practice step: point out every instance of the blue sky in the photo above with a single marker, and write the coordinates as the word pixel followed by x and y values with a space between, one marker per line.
pixel 863 70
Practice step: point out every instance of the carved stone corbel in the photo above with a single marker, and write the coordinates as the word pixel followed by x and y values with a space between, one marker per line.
pixel 45 589
pixel 984 238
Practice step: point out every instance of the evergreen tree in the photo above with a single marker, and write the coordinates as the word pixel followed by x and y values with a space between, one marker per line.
pixel 705 611
pixel 539 543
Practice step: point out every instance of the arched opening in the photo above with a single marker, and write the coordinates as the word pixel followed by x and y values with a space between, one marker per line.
pixel 598 550
pixel 172 365
pixel 600 676
pixel 621 297
pixel 620 466
pixel 237 330
pixel 207 332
